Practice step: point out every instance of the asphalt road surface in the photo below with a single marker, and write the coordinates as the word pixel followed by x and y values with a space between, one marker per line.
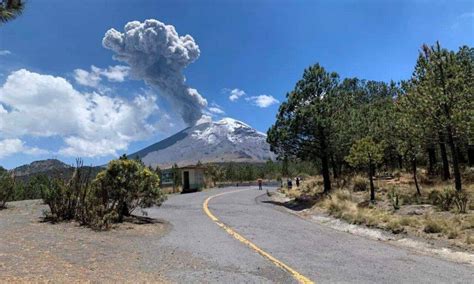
pixel 209 253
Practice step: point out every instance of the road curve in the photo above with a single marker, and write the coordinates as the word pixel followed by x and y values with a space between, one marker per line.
pixel 207 253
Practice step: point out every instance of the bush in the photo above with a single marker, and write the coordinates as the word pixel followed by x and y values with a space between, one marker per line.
pixel 113 194
pixel 360 184
pixel 60 199
pixel 397 174
pixel 461 200
pixel 444 200
pixel 454 233
pixel 433 227
pixel 394 199
pixel 66 200
pixel 469 240
pixel 468 174
pixel 410 198
pixel 7 184
pixel 425 179
pixel 395 226
pixel 117 191
pixel 343 195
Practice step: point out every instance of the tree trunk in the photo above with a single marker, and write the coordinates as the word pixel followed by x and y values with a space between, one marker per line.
pixel 470 155
pixel 413 163
pixel 454 154
pixel 431 160
pixel 444 158
pixel 371 179
pixel 324 160
pixel 325 172
pixel 334 168
pixel 400 162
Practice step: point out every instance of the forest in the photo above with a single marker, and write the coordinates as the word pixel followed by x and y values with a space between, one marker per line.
pixel 351 124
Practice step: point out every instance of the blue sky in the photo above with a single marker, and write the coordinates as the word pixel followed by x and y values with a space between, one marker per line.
pixel 259 47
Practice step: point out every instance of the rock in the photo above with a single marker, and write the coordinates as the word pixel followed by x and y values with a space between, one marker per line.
pixel 417 209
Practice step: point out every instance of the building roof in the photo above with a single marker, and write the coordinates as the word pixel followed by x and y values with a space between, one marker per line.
pixel 192 167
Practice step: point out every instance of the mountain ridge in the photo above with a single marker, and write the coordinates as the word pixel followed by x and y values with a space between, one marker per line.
pixel 226 140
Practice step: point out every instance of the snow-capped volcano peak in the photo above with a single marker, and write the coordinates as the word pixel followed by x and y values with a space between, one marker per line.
pixel 232 123
pixel 225 140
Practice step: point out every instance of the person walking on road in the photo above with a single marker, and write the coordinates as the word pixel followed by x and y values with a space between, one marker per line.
pixel 260 184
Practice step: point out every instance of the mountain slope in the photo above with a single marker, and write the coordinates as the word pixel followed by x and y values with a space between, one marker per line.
pixel 51 168
pixel 40 167
pixel 227 140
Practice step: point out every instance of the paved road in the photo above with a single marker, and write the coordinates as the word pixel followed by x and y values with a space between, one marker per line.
pixel 207 253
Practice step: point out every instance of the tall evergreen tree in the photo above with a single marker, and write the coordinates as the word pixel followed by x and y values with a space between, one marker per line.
pixel 304 121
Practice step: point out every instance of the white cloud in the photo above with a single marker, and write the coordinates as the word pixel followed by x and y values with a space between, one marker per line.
pixel 92 78
pixel 216 110
pixel 5 52
pixel 90 124
pixel 86 78
pixel 262 101
pixel 463 20
pixel 234 94
pixel 12 146
pixel 116 73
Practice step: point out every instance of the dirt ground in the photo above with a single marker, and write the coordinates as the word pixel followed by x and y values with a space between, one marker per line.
pixel 34 250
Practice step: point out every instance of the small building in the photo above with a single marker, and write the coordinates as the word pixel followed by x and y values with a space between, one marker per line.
pixel 192 178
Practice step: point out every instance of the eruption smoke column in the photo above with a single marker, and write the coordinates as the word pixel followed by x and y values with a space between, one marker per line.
pixel 158 55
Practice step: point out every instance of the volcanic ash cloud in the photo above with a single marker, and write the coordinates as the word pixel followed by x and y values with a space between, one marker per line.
pixel 158 55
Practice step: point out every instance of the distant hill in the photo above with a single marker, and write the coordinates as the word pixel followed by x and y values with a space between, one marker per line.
pixel 38 167
pixel 52 168
pixel 227 140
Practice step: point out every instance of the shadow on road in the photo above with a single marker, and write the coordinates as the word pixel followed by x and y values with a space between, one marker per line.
pixel 296 205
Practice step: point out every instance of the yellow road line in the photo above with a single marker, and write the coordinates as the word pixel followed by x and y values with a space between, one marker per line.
pixel 298 276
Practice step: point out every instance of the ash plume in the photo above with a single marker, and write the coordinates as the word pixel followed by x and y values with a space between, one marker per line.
pixel 158 55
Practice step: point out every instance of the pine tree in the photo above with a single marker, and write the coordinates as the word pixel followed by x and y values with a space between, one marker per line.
pixel 303 126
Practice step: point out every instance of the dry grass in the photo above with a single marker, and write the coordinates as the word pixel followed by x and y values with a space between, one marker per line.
pixel 415 215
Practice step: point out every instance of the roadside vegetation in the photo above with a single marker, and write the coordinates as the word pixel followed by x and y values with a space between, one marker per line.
pixel 438 213
pixel 396 156
pixel 98 202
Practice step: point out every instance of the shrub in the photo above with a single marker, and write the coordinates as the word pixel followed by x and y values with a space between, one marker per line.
pixel 395 226
pixel 410 198
pixel 336 209
pixel 66 200
pixel 425 179
pixel 452 234
pixel 433 227
pixel 7 184
pixel 397 174
pixel 468 222
pixel 461 200
pixel 113 194
pixel 408 221
pixel 444 200
pixel 469 240
pixel 468 174
pixel 121 188
pixel 360 184
pixel 61 201
pixel 394 199
pixel 343 195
